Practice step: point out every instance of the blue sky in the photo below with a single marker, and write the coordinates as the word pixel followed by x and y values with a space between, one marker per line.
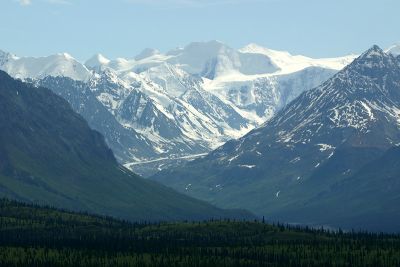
pixel 122 28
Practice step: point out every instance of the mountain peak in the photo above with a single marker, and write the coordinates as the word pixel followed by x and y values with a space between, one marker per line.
pixel 370 57
pixel 213 45
pixel 66 56
pixel 96 61
pixel 254 48
pixel 372 62
pixel 307 149
pixel 373 52
pixel 147 52
pixel 208 47
pixel 394 49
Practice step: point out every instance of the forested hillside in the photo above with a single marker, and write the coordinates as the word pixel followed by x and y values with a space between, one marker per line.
pixel 37 236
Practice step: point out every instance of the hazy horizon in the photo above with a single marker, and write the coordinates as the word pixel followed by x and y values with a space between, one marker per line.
pixel 123 28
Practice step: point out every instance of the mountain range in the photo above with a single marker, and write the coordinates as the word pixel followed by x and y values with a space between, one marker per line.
pixel 286 137
pixel 50 156
pixel 330 157
pixel 159 109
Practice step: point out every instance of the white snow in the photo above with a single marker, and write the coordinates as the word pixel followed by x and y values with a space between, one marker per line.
pixel 289 63
pixel 248 166
pixel 188 186
pixel 394 49
pixel 368 110
pixel 347 172
pixel 357 114
pixel 295 160
pixel 62 64
pixel 233 158
pixel 246 83
pixel 97 61
pixel 324 147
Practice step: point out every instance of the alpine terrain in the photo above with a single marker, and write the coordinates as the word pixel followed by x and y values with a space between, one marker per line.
pixel 50 156
pixel 161 108
pixel 330 157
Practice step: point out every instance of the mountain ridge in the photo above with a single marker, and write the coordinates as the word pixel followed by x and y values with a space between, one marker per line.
pixel 182 104
pixel 50 156
pixel 320 139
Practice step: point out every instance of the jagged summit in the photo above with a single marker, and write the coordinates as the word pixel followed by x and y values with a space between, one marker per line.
pixel 374 58
pixel 50 156
pixel 184 103
pixel 291 165
pixel 352 99
pixel 376 67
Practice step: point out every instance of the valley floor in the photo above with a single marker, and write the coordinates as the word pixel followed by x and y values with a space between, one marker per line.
pixel 147 168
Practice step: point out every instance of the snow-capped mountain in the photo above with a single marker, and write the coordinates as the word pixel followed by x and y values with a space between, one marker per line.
pixel 126 143
pixel 185 102
pixel 394 50
pixel 63 65
pixel 97 62
pixel 291 167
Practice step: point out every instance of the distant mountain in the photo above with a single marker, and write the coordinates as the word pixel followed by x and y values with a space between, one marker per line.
pixel 49 155
pixel 295 166
pixel 126 143
pixel 62 64
pixel 180 104
pixel 394 50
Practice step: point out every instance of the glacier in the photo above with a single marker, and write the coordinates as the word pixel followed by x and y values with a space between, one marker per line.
pixel 185 102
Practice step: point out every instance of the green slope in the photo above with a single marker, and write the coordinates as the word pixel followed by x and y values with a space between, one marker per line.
pixel 376 183
pixel 49 155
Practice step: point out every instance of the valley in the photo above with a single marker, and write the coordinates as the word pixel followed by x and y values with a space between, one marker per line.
pixel 185 102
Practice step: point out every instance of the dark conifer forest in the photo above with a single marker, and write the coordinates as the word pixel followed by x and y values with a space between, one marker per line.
pixel 41 236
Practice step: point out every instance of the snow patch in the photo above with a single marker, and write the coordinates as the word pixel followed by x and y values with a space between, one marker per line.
pixel 247 166
pixel 324 147
pixel 295 160
pixel 188 186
